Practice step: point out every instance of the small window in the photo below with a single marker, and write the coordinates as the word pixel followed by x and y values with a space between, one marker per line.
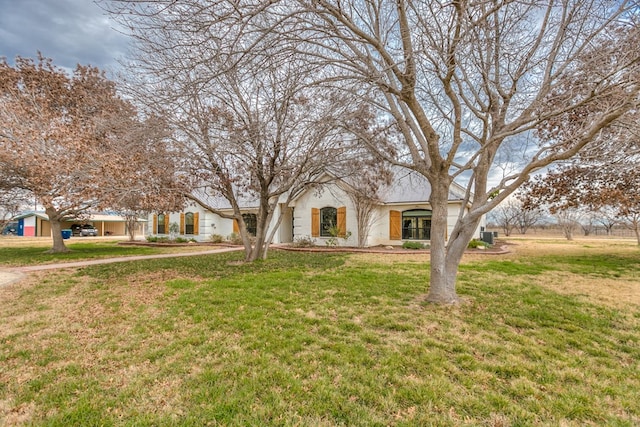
pixel 328 220
pixel 251 222
pixel 416 224
pixel 161 222
pixel 188 223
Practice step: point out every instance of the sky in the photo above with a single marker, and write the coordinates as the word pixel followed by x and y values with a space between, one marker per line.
pixel 70 32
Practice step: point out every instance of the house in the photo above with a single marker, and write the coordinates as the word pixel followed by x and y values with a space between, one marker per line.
pixel 36 224
pixel 402 213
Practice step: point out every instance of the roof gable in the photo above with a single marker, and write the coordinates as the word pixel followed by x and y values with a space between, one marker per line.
pixel 408 186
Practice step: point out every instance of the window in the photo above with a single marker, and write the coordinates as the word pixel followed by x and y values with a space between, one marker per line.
pixel 188 223
pixel 416 224
pixel 328 220
pixel 162 218
pixel 251 222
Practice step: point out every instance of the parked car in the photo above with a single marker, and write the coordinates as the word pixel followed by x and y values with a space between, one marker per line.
pixel 84 230
pixel 10 228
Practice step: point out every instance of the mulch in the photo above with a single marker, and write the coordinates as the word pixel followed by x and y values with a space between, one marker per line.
pixel 500 248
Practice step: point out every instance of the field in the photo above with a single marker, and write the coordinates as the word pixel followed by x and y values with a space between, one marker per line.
pixel 548 334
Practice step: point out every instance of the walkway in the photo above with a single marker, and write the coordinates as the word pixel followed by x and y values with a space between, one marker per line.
pixel 14 274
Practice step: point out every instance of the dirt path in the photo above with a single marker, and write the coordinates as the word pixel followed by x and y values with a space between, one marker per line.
pixel 14 274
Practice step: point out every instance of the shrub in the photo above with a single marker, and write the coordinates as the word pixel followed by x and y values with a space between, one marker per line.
pixel 335 233
pixel 217 238
pixel 181 240
pixel 303 242
pixel 413 245
pixel 475 243
pixel 152 239
pixel 235 239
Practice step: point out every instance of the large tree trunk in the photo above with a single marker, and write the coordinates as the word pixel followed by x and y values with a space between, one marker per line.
pixel 446 255
pixel 56 232
pixel 258 251
pixel 442 287
pixel 131 223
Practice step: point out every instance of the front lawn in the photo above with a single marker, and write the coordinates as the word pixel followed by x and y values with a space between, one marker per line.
pixel 13 256
pixel 320 340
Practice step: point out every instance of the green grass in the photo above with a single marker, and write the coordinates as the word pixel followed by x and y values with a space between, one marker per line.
pixel 317 339
pixel 29 255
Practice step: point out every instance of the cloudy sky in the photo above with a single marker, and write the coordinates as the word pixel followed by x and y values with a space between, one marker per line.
pixel 68 31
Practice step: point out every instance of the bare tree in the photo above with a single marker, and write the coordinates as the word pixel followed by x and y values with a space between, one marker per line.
pixel 364 183
pixel 607 217
pixel 506 216
pixel 467 82
pixel 12 202
pixel 249 126
pixel 568 220
pixel 528 218
pixel 141 172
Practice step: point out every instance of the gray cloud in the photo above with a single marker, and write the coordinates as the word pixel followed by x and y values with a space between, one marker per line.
pixel 68 31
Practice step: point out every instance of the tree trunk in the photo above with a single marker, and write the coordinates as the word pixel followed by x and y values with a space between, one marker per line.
pixel 56 232
pixel 131 222
pixel 442 289
pixel 636 229
pixel 269 238
pixel 446 255
pixel 257 251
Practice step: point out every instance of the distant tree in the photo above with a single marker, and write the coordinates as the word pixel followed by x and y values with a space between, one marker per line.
pixel 12 202
pixel 568 220
pixel 587 223
pixel 514 214
pixel 621 191
pixel 505 216
pixel 61 140
pixel 586 191
pixel 607 217
pixel 528 217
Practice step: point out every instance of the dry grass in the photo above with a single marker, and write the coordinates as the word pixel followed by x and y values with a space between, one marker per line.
pixel 307 339
pixel 618 293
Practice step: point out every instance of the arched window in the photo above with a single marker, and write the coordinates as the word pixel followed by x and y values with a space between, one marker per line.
pixel 251 222
pixel 328 220
pixel 188 223
pixel 416 224
pixel 162 219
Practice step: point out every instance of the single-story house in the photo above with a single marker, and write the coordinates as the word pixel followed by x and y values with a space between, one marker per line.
pixel 401 213
pixel 36 224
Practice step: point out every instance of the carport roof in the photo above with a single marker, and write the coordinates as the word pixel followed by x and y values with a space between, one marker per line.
pixel 90 218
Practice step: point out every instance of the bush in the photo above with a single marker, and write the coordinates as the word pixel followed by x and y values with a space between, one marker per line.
pixel 413 245
pixel 180 240
pixel 217 238
pixel 152 239
pixel 235 239
pixel 303 242
pixel 475 243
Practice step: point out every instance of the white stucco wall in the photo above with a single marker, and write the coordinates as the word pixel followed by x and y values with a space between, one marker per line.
pixel 210 224
pixel 331 196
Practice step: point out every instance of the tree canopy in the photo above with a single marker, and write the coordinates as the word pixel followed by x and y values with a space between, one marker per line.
pixel 480 93
pixel 72 142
